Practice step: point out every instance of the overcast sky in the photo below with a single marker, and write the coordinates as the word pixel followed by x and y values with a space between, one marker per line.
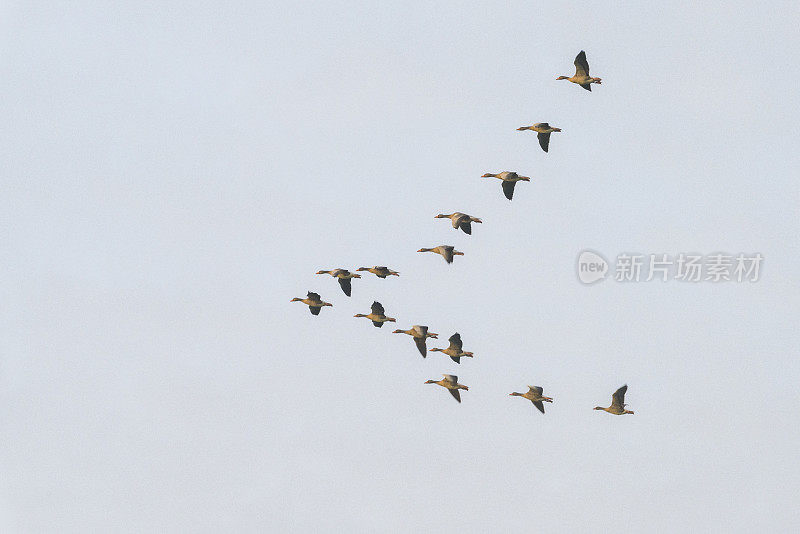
pixel 174 173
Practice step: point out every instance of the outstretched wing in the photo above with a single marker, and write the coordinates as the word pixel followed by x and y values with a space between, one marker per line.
pixel 451 378
pixel 466 225
pixel 618 398
pixel 313 296
pixel 536 389
pixel 456 359
pixel 345 283
pixel 447 252
pixel 314 310
pixel 581 65
pixel 508 189
pixel 587 86
pixel 455 342
pixel 420 342
pixel 544 125
pixel 539 405
pixel 544 140
pixel 377 308
pixel 455 393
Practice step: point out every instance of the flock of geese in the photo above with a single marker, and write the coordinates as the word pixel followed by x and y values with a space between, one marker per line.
pixel 463 222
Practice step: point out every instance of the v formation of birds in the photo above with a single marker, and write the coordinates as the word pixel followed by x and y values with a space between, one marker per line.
pixel 463 222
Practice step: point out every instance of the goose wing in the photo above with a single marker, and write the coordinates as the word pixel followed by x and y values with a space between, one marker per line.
pixel 508 188
pixel 420 342
pixel 466 225
pixel 314 310
pixel 447 253
pixel 313 296
pixel 455 342
pixel 536 389
pixel 539 405
pixel 618 398
pixel 544 140
pixel 346 287
pixel 451 378
pixel 377 308
pixel 455 393
pixel 581 65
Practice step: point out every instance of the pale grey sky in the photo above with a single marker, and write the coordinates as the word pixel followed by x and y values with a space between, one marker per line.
pixel 174 173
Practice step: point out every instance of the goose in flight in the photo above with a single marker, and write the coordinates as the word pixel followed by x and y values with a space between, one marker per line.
pixel 377 315
pixel 313 301
pixel 543 133
pixel 344 276
pixel 509 179
pixel 582 77
pixel 420 334
pixel 447 252
pixel 534 394
pixel 460 220
pixel 454 350
pixel 617 403
pixel 451 383
pixel 379 271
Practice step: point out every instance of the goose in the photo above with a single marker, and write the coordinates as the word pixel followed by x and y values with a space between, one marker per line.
pixel 447 252
pixel 534 394
pixel 510 179
pixel 460 220
pixel 379 271
pixel 544 130
pixel 420 334
pixel 582 77
pixel 617 403
pixel 454 350
pixel 313 301
pixel 451 383
pixel 344 276
pixel 377 316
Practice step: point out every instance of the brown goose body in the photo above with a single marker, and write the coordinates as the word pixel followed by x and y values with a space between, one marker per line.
pixel 582 77
pixel 313 301
pixel 460 221
pixel 420 334
pixel 454 350
pixel 617 403
pixel 377 315
pixel 543 133
pixel 451 383
pixel 534 394
pixel 343 276
pixel 509 179
pixel 380 271
pixel 446 251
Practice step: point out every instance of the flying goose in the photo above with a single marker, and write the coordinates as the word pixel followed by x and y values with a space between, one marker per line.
pixel 454 350
pixel 379 271
pixel 420 334
pixel 447 252
pixel 313 302
pixel 544 130
pixel 344 276
pixel 582 77
pixel 460 220
pixel 617 402
pixel 377 316
pixel 510 179
pixel 534 394
pixel 451 383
